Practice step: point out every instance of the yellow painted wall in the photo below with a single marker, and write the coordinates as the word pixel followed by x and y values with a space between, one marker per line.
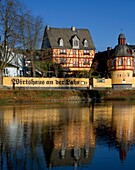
pixel 102 83
pixel 133 82
pixel 67 82
pixel 122 77
pixel 46 82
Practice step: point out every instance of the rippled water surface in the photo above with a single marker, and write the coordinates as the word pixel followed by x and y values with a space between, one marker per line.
pixel 70 136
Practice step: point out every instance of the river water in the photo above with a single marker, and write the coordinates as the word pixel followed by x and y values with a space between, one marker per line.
pixel 68 136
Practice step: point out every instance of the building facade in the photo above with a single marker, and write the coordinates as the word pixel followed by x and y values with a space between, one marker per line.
pixel 16 66
pixel 117 64
pixel 121 64
pixel 72 48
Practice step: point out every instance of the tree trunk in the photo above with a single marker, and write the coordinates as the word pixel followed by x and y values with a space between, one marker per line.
pixel 44 74
pixel 32 63
pixel 1 77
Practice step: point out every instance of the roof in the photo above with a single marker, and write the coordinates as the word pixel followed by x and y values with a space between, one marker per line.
pixel 52 36
pixel 132 47
pixel 122 50
pixel 121 36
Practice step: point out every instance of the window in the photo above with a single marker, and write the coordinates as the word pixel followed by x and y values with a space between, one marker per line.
pixel 128 74
pixel 75 63
pixel 120 62
pixel 118 75
pixel 75 42
pixel 100 80
pixel 61 42
pixel 74 51
pixel 86 52
pixel 86 61
pixel 85 43
pixel 113 63
pixel 63 60
pixel 128 62
pixel 6 71
pixel 62 51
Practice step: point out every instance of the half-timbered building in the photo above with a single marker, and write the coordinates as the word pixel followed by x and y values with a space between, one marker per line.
pixel 121 64
pixel 116 63
pixel 71 47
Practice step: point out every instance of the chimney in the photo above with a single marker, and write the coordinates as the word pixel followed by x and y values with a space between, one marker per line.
pixel 109 48
pixel 73 28
pixel 47 27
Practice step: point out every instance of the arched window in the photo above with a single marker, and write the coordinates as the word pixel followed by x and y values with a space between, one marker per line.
pixel 61 42
pixel 75 42
pixel 85 43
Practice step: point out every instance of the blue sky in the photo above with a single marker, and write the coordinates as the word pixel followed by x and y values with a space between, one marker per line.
pixel 105 19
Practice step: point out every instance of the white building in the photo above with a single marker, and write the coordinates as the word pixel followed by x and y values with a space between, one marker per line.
pixel 15 67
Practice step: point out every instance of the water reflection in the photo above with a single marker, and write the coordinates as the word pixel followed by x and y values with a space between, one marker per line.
pixel 41 137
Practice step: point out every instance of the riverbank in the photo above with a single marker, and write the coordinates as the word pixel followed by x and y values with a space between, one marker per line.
pixel 26 96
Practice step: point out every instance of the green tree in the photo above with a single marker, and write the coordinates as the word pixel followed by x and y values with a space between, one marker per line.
pixel 53 69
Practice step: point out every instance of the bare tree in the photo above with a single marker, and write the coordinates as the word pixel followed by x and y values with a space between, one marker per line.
pixel 11 14
pixel 19 30
pixel 32 33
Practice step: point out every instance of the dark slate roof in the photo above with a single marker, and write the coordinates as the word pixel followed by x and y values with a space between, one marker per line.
pixel 132 47
pixel 121 36
pixel 122 50
pixel 52 35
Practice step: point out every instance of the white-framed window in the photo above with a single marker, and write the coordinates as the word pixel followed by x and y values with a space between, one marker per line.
pixel 85 43
pixel 128 61
pixel 62 51
pixel 75 42
pixel 86 52
pixel 61 42
pixel 120 61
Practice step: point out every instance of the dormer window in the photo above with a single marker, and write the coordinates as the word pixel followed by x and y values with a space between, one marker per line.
pixel 61 42
pixel 85 43
pixel 75 42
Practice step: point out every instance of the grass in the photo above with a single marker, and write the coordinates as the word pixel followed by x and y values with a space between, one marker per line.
pixel 48 95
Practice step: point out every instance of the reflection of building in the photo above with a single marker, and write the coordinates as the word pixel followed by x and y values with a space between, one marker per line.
pixel 114 126
pixel 73 140
pixel 123 122
pixel 63 135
